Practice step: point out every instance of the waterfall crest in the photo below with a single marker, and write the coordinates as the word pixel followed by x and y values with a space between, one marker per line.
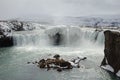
pixel 70 36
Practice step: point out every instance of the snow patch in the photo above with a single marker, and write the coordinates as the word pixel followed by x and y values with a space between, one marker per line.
pixel 118 73
pixel 108 67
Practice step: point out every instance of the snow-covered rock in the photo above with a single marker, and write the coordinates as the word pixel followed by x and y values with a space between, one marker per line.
pixel 5 35
pixel 5 30
pixel 21 26
pixel 108 67
pixel 17 25
pixel 24 25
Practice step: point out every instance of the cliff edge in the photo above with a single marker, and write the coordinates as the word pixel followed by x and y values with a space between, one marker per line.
pixel 111 59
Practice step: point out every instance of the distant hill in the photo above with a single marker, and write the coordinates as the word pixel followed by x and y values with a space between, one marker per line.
pixel 90 21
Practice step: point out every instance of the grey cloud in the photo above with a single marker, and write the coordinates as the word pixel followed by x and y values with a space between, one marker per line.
pixel 18 8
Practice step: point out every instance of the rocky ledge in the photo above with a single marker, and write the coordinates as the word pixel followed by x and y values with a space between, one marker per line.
pixel 6 39
pixel 7 27
pixel 21 26
pixel 111 59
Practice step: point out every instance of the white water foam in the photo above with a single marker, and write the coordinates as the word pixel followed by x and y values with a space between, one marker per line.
pixel 72 36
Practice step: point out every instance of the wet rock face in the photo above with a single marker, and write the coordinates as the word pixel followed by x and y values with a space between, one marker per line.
pixel 57 39
pixel 6 38
pixel 6 41
pixel 112 50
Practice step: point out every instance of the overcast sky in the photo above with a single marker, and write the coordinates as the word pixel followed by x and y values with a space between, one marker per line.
pixel 19 8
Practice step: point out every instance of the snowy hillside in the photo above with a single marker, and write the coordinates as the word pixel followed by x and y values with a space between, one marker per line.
pixel 90 21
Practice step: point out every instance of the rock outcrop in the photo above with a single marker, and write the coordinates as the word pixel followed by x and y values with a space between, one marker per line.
pixel 21 26
pixel 6 39
pixel 112 50
pixel 17 25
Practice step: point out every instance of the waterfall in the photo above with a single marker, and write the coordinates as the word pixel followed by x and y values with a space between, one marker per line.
pixel 30 38
pixel 69 36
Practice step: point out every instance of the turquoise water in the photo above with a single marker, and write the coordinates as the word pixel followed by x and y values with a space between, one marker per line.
pixel 13 64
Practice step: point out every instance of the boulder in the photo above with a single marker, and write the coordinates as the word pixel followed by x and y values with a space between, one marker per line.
pixel 112 50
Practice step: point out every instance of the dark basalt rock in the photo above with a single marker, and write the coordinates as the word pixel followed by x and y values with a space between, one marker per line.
pixel 6 41
pixel 57 56
pixel 18 26
pixel 59 69
pixel 57 38
pixel 112 50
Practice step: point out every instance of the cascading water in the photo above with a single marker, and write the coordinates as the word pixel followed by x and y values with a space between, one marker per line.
pixel 30 38
pixel 93 38
pixel 71 36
